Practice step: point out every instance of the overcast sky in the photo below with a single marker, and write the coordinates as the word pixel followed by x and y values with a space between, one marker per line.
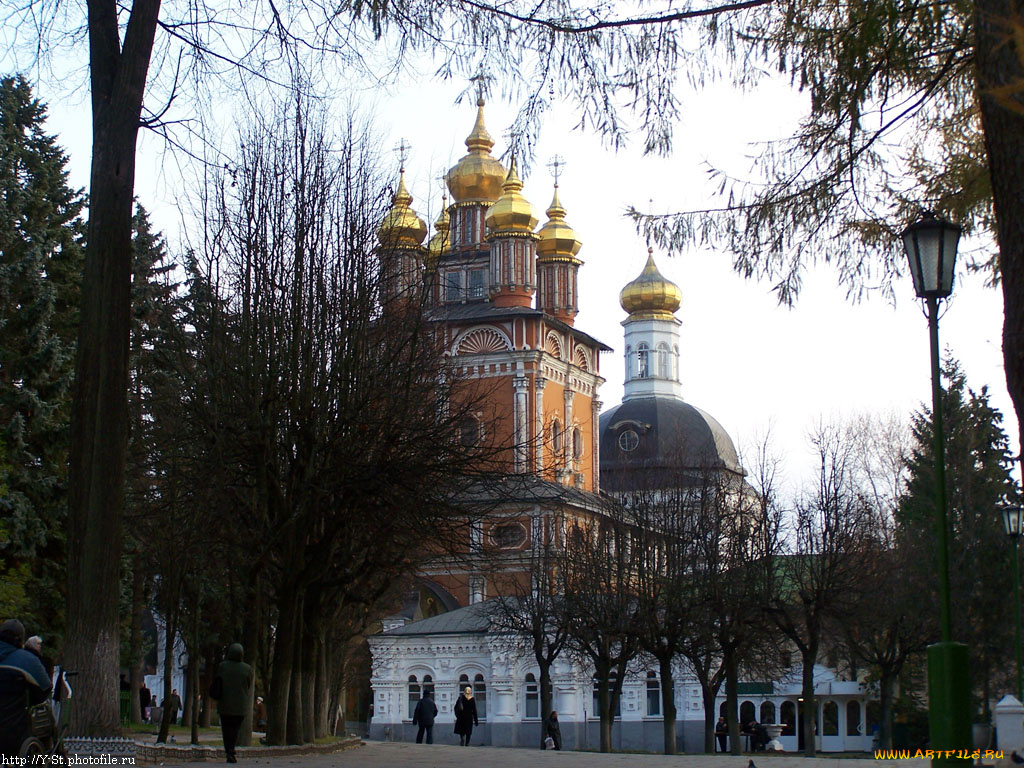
pixel 750 363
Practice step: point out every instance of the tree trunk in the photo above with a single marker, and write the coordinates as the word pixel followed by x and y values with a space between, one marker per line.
pixel 250 633
pixel 321 725
pixel 281 671
pixel 732 702
pixel 165 721
pixel 294 734
pixel 604 707
pixel 193 694
pixel 999 64
pixel 99 422
pixel 807 714
pixel 206 704
pixel 308 671
pixel 546 697
pixel 668 703
pixel 710 715
pixel 885 701
pixel 135 677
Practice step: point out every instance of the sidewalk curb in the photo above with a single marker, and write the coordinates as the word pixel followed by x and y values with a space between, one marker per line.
pixel 160 754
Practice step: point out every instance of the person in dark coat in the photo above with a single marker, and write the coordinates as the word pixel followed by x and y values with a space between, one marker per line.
pixel 465 716
pixel 172 704
pixel 426 711
pixel 233 684
pixel 721 732
pixel 22 677
pixel 145 697
pixel 552 730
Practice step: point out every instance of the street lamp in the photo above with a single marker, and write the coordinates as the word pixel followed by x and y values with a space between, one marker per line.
pixel 930 244
pixel 1013 521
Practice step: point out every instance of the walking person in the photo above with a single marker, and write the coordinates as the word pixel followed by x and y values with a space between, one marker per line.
pixel 172 704
pixel 426 711
pixel 465 716
pixel 145 697
pixel 232 689
pixel 553 734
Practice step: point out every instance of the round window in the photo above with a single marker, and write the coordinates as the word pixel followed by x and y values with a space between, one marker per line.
pixel 508 535
pixel 629 440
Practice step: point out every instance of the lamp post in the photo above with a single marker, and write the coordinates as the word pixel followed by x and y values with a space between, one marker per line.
pixel 931 244
pixel 1013 520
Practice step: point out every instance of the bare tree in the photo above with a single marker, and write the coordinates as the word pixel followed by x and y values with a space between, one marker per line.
pixel 600 574
pixel 670 614
pixel 334 408
pixel 822 573
pixel 891 624
pixel 532 611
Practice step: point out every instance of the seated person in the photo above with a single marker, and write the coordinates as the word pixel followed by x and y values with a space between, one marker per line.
pixel 22 679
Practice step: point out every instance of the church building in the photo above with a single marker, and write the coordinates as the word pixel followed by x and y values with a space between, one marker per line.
pixel 504 292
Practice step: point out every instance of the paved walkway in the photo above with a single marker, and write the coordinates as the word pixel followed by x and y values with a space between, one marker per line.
pixel 376 754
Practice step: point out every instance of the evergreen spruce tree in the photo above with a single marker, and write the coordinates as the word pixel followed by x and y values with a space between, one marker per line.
pixel 978 480
pixel 40 264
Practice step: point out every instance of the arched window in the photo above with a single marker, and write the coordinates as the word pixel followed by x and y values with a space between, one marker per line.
pixel 767 712
pixel 596 699
pixel 556 436
pixel 414 694
pixel 643 360
pixel 788 715
pixel 577 443
pixel 853 718
pixel 830 719
pixel 532 695
pixel 469 432
pixel 664 357
pixel 653 694
pixel 480 694
pixel 746 713
pixel 629 363
pixel 675 363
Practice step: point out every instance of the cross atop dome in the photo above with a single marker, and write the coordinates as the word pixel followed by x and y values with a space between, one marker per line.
pixel 402 150
pixel 481 79
pixel 555 165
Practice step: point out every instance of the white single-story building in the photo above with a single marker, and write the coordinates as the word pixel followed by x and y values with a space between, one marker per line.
pixel 447 652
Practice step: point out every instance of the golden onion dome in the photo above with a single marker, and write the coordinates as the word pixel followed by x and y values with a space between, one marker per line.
pixel 440 242
pixel 478 176
pixel 511 212
pixel 651 294
pixel 557 238
pixel 401 225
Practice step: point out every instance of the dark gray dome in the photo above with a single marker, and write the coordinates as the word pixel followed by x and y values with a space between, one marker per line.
pixel 664 439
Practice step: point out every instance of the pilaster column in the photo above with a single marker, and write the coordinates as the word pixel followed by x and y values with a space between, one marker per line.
pixel 595 453
pixel 522 388
pixel 567 432
pixel 538 437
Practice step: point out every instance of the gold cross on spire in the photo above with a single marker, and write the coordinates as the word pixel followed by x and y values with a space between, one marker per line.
pixel 555 165
pixel 402 150
pixel 481 79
